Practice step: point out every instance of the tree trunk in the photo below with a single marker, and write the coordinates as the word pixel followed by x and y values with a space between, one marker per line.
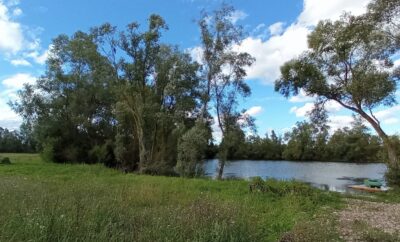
pixel 221 165
pixel 142 150
pixel 392 154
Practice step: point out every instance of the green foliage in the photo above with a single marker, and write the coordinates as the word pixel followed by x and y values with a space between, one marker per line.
pixel 47 153
pixel 308 142
pixel 5 161
pixel 219 35
pixel 118 98
pixel 350 61
pixel 355 144
pixel 103 154
pixel 305 142
pixel 279 188
pixel 191 149
pixel 15 141
pixel 301 142
pixel 257 148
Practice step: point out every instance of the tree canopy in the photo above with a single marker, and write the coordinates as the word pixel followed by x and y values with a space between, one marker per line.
pixel 350 61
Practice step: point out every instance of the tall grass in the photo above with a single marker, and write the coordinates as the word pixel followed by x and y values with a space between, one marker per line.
pixel 51 202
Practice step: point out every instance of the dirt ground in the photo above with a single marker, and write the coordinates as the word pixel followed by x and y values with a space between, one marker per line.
pixel 359 218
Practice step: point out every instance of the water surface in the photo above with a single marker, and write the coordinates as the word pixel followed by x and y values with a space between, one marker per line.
pixel 332 176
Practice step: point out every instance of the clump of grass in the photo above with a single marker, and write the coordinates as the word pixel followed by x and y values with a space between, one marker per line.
pixel 369 234
pixel 5 161
pixel 280 188
pixel 286 188
pixel 321 228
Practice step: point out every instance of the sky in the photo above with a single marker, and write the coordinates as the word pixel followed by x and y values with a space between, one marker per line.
pixel 277 32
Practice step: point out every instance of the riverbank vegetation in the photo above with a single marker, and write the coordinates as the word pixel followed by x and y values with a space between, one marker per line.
pixel 128 100
pixel 42 201
pixel 307 142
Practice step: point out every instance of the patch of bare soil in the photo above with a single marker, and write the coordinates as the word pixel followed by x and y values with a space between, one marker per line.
pixel 361 216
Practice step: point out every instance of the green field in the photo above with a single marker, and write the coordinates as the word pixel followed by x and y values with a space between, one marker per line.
pixel 61 202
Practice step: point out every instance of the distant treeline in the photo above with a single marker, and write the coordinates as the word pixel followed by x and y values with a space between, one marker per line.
pixel 305 142
pixel 15 141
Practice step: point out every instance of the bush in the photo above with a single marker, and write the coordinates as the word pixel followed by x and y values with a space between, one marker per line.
pixel 47 153
pixel 281 188
pixel 393 176
pixel 5 161
pixel 191 150
pixel 102 153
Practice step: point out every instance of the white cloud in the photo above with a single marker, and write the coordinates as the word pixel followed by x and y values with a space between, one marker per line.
pixel 389 116
pixel 17 81
pixel 316 10
pixel 20 62
pixel 276 28
pixel 12 3
pixel 339 122
pixel 17 41
pixel 39 58
pixel 237 15
pixel 333 106
pixel 253 111
pixel 196 53
pixel 11 40
pixel 387 113
pixel 274 52
pixel 302 97
pixel 391 121
pixel 9 119
pixel 17 12
pixel 302 111
pixel 261 31
pixel 286 44
pixel 216 131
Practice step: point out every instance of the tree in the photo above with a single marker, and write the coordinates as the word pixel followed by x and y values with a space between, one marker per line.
pixel 191 150
pixel 300 143
pixel 69 110
pixel 354 144
pixel 158 88
pixel 349 62
pixel 120 98
pixel 15 141
pixel 223 71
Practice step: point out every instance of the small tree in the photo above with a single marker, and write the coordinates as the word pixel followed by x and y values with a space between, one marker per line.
pixel 349 61
pixel 191 149
pixel 223 68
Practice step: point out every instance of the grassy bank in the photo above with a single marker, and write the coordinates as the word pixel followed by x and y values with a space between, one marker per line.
pixel 52 202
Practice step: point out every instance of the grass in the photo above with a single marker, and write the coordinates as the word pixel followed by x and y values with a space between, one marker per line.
pixel 61 202
pixel 368 234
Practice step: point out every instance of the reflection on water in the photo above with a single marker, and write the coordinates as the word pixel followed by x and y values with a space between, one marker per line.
pixel 332 176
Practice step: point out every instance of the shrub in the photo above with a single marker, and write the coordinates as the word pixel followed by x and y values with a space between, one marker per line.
pixel 280 188
pixel 191 149
pixel 5 161
pixel 47 153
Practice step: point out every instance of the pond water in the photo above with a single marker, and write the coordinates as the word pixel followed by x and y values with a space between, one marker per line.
pixel 332 176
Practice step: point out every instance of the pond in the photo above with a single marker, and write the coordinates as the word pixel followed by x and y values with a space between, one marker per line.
pixel 332 176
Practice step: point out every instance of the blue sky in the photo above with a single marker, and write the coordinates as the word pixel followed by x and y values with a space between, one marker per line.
pixel 277 30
